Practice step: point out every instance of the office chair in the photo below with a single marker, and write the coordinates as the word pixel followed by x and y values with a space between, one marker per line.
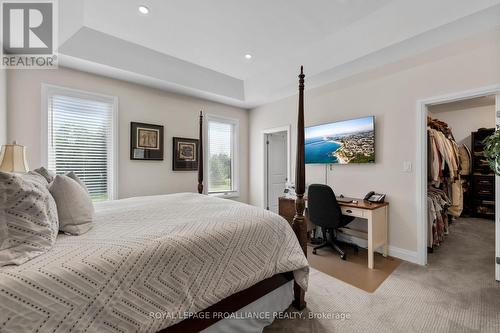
pixel 324 211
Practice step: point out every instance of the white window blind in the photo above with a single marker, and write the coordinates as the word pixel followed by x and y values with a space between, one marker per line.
pixel 80 139
pixel 221 138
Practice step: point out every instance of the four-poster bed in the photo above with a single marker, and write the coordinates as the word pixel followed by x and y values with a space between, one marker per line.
pixel 299 222
pixel 149 261
pixel 200 156
pixel 247 296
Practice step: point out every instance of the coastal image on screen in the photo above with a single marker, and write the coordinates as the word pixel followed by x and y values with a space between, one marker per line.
pixel 350 141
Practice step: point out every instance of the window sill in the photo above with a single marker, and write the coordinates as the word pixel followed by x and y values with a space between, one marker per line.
pixel 225 195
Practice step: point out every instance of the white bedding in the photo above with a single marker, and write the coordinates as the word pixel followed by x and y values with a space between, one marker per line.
pixel 169 254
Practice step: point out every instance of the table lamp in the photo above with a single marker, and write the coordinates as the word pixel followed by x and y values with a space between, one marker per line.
pixel 13 158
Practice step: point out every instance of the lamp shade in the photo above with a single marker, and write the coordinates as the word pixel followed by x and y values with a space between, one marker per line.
pixel 13 158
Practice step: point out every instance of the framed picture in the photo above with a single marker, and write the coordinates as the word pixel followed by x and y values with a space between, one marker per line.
pixel 185 154
pixel 146 142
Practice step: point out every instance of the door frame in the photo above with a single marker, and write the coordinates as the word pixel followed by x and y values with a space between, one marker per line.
pixel 287 129
pixel 421 165
pixel 497 200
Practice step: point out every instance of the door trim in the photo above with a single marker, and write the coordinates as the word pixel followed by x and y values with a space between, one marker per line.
pixel 421 158
pixel 287 129
pixel 497 200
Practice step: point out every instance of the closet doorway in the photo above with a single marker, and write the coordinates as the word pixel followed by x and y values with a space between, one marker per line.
pixel 276 165
pixel 461 121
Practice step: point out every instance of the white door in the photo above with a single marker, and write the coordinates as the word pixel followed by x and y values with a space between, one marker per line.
pixel 276 168
pixel 497 204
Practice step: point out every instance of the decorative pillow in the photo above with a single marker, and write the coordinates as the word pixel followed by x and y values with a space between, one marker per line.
pixel 74 206
pixel 28 217
pixel 73 176
pixel 47 174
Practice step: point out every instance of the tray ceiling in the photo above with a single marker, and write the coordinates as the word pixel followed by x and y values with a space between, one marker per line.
pixel 198 47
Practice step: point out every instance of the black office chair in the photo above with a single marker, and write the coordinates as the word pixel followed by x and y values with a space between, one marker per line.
pixel 324 211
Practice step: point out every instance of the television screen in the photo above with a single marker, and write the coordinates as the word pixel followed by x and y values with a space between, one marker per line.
pixel 343 142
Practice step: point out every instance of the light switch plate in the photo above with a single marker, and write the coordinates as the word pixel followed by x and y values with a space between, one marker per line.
pixel 407 167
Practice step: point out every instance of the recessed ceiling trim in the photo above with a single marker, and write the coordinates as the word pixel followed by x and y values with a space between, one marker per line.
pixel 97 47
pixel 327 59
pixel 127 76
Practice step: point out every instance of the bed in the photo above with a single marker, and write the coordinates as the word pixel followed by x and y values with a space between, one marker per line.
pixel 153 264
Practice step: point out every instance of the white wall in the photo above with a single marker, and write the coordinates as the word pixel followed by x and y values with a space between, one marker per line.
pixel 390 93
pixel 3 107
pixel 466 117
pixel 178 114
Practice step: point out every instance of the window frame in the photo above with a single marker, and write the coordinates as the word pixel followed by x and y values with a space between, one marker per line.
pixel 235 160
pixel 49 90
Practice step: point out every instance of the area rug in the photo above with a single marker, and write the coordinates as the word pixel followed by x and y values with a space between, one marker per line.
pixel 354 270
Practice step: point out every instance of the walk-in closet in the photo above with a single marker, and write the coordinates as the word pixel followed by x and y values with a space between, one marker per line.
pixel 461 185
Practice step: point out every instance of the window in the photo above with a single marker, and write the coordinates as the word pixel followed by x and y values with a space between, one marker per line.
pixel 222 156
pixel 80 130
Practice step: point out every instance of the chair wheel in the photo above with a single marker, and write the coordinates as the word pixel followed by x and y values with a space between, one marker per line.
pixel 343 257
pixel 314 251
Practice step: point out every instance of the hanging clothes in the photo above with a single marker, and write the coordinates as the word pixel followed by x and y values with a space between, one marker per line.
pixel 448 151
pixel 465 157
pixel 445 191
pixel 435 161
pixel 438 204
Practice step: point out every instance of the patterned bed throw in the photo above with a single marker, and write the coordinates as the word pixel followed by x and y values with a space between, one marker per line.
pixel 167 254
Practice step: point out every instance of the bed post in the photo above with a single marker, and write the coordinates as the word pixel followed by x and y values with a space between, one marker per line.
pixel 299 222
pixel 200 156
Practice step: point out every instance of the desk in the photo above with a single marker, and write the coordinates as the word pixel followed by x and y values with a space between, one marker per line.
pixel 377 215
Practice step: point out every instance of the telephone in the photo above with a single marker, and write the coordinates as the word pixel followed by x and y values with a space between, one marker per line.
pixel 374 197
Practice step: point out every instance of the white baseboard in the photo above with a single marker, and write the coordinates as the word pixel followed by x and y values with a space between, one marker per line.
pixel 396 252
pixel 403 254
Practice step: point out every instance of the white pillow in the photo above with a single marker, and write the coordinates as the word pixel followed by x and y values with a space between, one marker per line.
pixel 73 176
pixel 47 174
pixel 28 217
pixel 74 206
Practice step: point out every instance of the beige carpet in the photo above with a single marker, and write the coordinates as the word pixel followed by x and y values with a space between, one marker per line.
pixel 355 269
pixel 457 292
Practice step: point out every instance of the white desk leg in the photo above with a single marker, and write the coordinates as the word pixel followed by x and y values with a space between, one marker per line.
pixel 370 241
pixel 386 228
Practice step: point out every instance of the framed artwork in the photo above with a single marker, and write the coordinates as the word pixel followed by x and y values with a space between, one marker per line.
pixel 185 154
pixel 146 142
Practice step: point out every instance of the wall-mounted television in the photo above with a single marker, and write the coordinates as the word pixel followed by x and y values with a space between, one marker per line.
pixel 342 142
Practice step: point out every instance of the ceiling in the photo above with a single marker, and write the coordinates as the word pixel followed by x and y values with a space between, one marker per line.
pixel 198 47
pixel 471 103
pixel 218 33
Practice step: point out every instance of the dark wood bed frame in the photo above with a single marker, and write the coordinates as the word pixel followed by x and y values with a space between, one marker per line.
pixel 241 299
